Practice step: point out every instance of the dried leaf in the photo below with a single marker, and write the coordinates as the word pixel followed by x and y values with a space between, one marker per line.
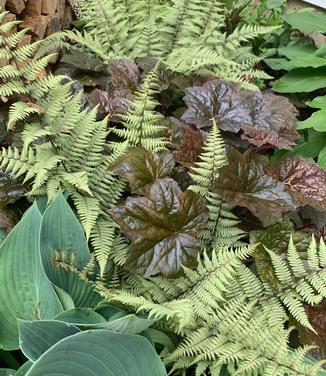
pixel 163 229
pixel 263 118
pixel 124 73
pixel 244 182
pixel 304 180
pixel 141 168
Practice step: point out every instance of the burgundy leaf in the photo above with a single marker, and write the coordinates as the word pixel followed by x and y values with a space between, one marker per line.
pixel 187 140
pixel 124 73
pixel 244 182
pixel 114 102
pixel 163 228
pixel 263 118
pixel 142 168
pixel 304 180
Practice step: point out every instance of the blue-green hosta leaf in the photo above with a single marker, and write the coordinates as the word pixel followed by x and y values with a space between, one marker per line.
pixel 7 372
pixel 109 310
pixel 24 369
pixel 61 232
pixel 65 299
pixel 99 353
pixel 306 19
pixel 36 337
pixel 25 292
pixel 81 316
pixel 121 322
pixel 301 80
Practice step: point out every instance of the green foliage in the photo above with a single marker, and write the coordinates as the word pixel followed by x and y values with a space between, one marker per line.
pixel 188 36
pixel 182 283
pixel 25 291
pixel 221 227
pixel 20 72
pixel 306 19
pixel 141 124
pixel 214 332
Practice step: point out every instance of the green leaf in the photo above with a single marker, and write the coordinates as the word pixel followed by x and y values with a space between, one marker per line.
pixel 25 292
pixel 306 19
pixel 274 4
pixel 24 369
pixel 131 324
pixel 163 228
pixel 81 316
pixel 301 80
pixel 142 168
pixel 318 102
pixel 61 231
pixel 65 299
pixel 7 372
pixel 85 317
pixel 316 121
pixel 108 310
pixel 244 182
pixel 36 337
pixel 322 157
pixel 99 353
pixel 308 147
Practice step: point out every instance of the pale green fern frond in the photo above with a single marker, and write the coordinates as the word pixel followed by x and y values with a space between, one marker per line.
pixel 141 123
pixel 221 228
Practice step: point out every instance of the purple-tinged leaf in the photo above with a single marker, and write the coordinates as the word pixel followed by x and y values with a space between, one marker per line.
pixel 262 118
pixel 304 180
pixel 163 229
pixel 244 182
pixel 141 168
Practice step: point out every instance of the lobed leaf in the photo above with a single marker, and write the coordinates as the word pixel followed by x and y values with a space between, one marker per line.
pixel 304 180
pixel 163 228
pixel 263 118
pixel 244 182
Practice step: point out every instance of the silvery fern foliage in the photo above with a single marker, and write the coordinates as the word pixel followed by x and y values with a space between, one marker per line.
pixel 188 36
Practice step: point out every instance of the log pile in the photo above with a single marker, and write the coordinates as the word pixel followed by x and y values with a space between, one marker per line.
pixel 42 17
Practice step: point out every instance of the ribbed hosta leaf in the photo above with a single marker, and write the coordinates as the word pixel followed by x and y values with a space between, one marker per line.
pixel 36 337
pixel 61 232
pixel 99 353
pixel 25 291
pixel 120 322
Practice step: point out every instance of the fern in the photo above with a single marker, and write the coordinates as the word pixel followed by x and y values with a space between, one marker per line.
pixel 20 68
pixel 221 229
pixel 65 148
pixel 247 332
pixel 189 36
pixel 141 124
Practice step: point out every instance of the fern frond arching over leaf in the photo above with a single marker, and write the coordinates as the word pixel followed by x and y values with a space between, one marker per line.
pixel 142 125
pixel 221 229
